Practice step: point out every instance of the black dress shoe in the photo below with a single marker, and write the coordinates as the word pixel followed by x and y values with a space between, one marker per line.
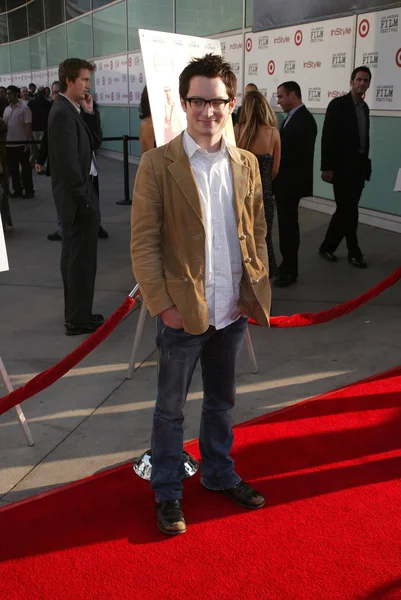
pixel 170 518
pixel 102 233
pixel 55 237
pixel 96 319
pixel 74 329
pixel 328 256
pixel 15 195
pixel 244 495
pixel 357 262
pixel 28 195
pixel 124 202
pixel 284 281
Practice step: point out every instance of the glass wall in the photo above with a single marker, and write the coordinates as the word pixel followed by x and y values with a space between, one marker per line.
pixel 79 38
pixel 110 30
pixel 38 51
pixel 56 46
pixel 207 18
pixel 148 14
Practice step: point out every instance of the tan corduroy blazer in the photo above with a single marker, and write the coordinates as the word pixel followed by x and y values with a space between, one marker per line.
pixel 168 235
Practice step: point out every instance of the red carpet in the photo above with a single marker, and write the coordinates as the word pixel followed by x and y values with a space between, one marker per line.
pixel 330 469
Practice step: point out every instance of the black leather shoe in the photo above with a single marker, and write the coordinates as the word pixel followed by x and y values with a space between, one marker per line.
pixel 244 495
pixel 357 262
pixel 102 233
pixel 96 319
pixel 28 195
pixel 284 281
pixel 170 518
pixel 328 256
pixel 124 202
pixel 55 237
pixel 15 195
pixel 73 329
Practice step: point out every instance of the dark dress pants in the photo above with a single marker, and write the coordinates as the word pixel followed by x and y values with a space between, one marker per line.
pixel 288 228
pixel 344 222
pixel 17 156
pixel 79 262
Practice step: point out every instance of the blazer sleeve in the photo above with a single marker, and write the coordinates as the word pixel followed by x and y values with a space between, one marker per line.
pixel 260 227
pixel 93 122
pixel 63 142
pixel 276 152
pixel 146 223
pixel 330 131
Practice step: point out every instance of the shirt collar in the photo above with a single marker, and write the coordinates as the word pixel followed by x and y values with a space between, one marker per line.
pixel 75 104
pixel 191 147
pixel 294 110
pixel 357 104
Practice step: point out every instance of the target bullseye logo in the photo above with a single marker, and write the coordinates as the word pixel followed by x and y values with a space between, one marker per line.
pixel 130 61
pixel 398 58
pixel 298 37
pixel 131 96
pixel 140 77
pixel 248 45
pixel 364 28
pixel 111 65
pixel 112 95
pixel 271 67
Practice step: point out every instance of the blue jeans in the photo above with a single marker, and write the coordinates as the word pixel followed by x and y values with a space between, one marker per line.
pixel 179 352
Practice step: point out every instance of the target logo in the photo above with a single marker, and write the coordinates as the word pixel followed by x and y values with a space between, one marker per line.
pixel 140 77
pixel 364 28
pixel 298 37
pixel 398 58
pixel 131 96
pixel 248 45
pixel 130 61
pixel 112 95
pixel 111 65
pixel 271 67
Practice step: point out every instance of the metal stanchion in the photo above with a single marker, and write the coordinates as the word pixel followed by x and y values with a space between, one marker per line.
pixel 127 200
pixel 250 350
pixel 20 414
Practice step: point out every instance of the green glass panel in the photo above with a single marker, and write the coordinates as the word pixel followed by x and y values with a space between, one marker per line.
pixel 79 38
pixel 206 18
pixel 115 123
pixel 20 56
pixel 38 51
pixel 5 63
pixel 148 14
pixel 110 30
pixel 56 46
pixel 249 13
pixel 135 123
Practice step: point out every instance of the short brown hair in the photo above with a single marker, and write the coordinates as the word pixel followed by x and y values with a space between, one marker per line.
pixel 211 66
pixel 70 68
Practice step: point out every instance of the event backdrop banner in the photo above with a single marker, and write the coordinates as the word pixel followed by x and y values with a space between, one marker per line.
pixel 22 79
pixel 165 55
pixel 52 75
pixel 378 47
pixel 137 79
pixel 318 56
pixel 5 80
pixel 111 80
pixel 232 48
pixel 40 77
pixel 269 14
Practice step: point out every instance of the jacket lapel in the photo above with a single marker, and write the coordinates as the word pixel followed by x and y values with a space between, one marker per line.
pixel 241 180
pixel 78 116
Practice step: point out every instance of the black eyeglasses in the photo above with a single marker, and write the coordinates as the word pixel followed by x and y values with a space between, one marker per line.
pixel 198 104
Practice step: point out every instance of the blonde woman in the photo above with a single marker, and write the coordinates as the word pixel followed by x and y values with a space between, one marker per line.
pixel 257 132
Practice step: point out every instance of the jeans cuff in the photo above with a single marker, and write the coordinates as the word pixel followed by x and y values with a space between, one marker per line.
pixel 220 488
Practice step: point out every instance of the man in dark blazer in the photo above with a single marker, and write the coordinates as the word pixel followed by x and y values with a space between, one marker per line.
pixel 74 133
pixel 346 164
pixel 295 178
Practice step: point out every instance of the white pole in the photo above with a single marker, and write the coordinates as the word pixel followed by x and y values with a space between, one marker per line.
pixel 137 339
pixel 20 414
pixel 250 350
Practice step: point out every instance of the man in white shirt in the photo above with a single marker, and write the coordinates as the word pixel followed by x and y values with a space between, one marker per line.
pixel 18 118
pixel 199 255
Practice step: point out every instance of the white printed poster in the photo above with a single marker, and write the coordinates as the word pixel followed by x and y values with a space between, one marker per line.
pixel 3 251
pixel 52 75
pixel 40 78
pixel 111 80
pixel 318 56
pixel 165 55
pixel 378 47
pixel 22 79
pixel 136 76
pixel 5 80
pixel 232 48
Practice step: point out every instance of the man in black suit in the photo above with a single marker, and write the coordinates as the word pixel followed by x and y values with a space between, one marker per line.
pixel 295 178
pixel 346 164
pixel 73 135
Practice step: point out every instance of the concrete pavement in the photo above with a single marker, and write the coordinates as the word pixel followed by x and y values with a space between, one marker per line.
pixel 94 417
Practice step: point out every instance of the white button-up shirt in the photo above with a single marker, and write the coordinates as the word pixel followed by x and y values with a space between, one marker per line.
pixel 93 170
pixel 223 271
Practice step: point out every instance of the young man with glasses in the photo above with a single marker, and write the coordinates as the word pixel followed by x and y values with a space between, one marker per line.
pixel 199 255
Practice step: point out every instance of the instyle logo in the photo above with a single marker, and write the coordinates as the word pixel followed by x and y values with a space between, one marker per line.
pixel 317 34
pixel 310 64
pixel 389 24
pixel 336 94
pixel 340 31
pixel 236 46
pixel 263 42
pixel 339 60
pixel 370 59
pixel 384 93
pixel 315 94
pixel 282 40
pixel 289 66
pixel 253 69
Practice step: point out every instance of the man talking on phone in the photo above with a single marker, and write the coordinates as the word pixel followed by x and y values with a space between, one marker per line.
pixel 74 134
